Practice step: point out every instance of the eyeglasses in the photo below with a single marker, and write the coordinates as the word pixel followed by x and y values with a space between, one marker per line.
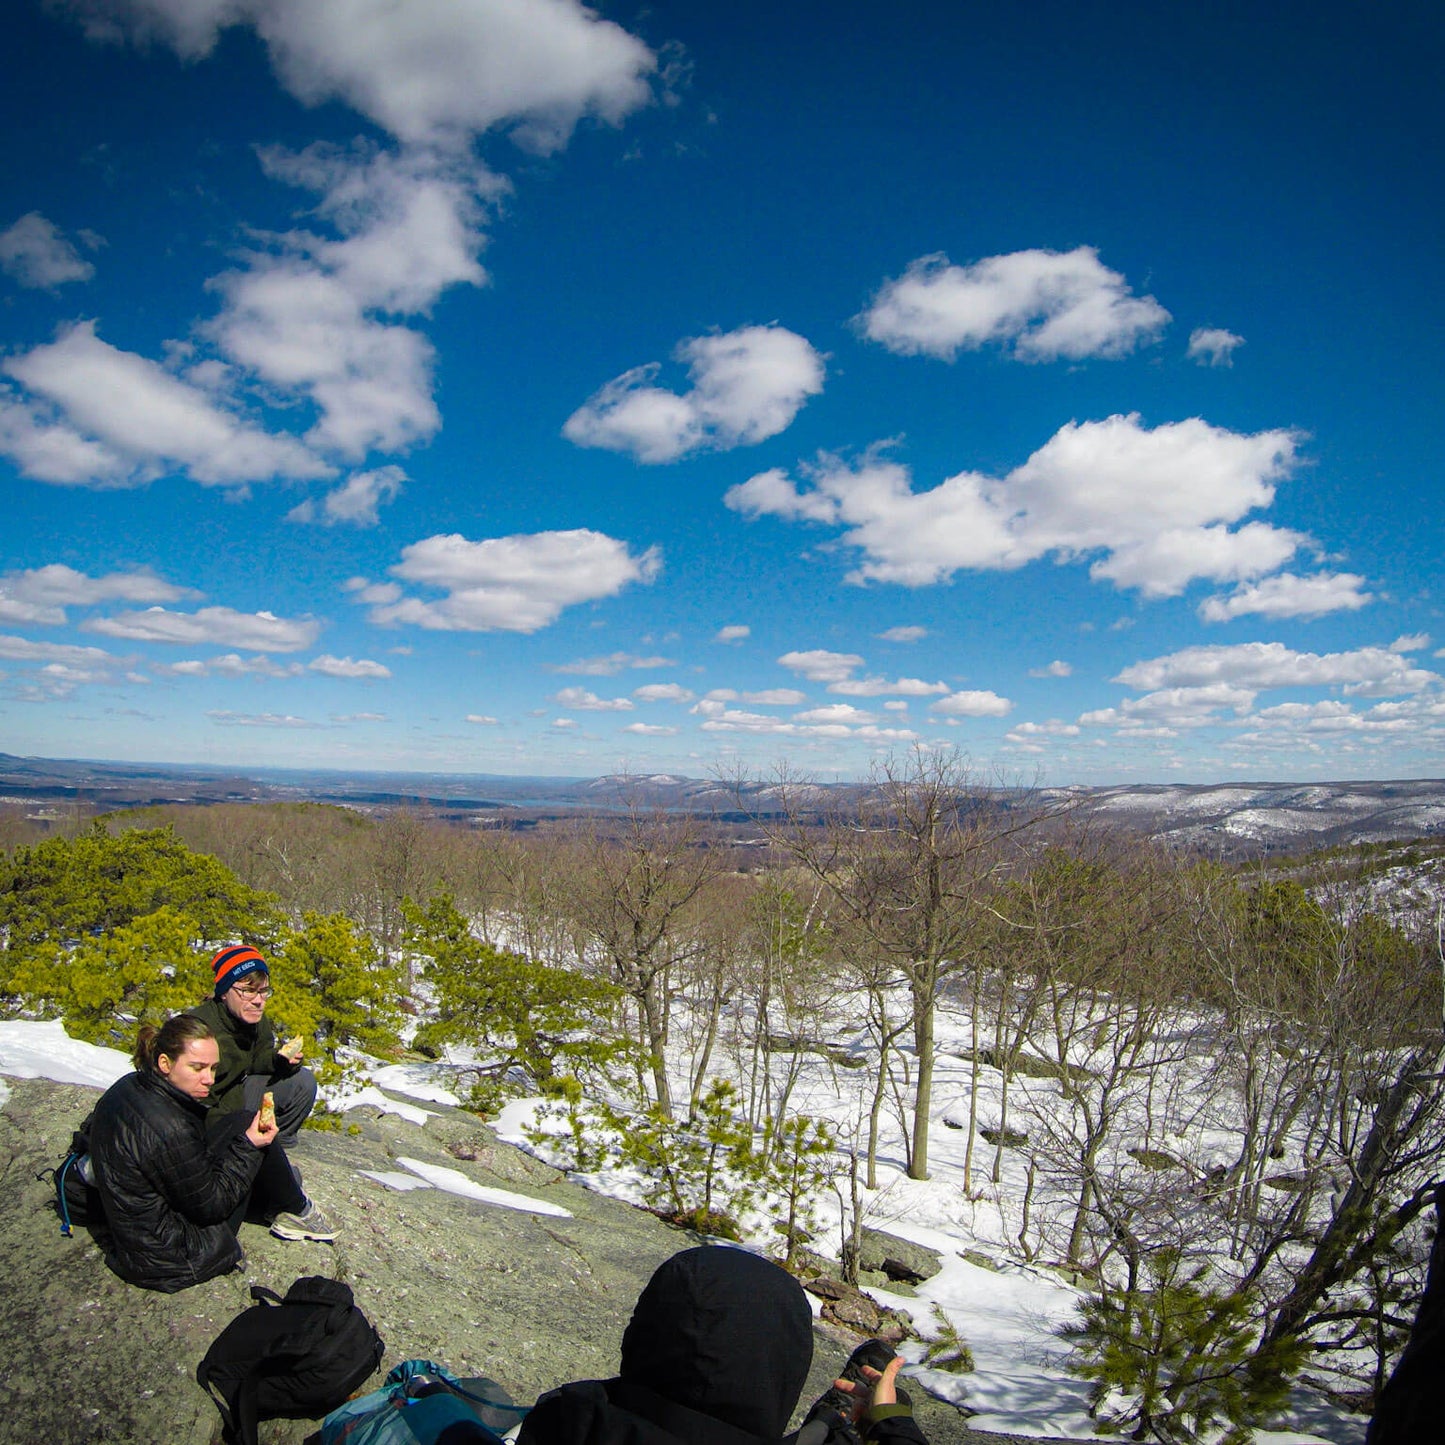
pixel 249 993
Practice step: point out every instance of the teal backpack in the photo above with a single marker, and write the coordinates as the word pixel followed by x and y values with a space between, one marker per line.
pixel 422 1404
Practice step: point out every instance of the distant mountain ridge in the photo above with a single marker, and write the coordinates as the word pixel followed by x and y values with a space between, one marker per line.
pixel 1227 818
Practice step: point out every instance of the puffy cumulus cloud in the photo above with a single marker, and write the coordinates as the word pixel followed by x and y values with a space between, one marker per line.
pixel 1213 346
pixel 747 385
pixel 883 687
pixel 511 584
pixel 1168 711
pixel 356 502
pixel 316 315
pixel 225 719
pixel 1039 305
pixel 734 632
pixel 662 692
pixel 1053 728
pixel 229 664
pixel 21 649
pixel 610 665
pixel 34 253
pixel 904 634
pixel 1363 672
pixel 1288 595
pixel 431 72
pixel 1054 669
pixel 481 719
pixel 770 697
pixel 40 595
pixel 650 730
pixel 584 701
pixel 838 723
pixel 260 631
pixel 820 665
pixel 99 416
pixel 347 666
pixel 1154 506
pixel 977 703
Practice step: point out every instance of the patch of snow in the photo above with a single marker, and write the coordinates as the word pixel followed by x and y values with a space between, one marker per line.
pixel 393 1179
pixel 417 1081
pixel 46 1051
pixel 453 1181
pixel 372 1096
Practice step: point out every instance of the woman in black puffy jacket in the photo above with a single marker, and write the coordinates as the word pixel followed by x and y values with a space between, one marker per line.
pixel 172 1201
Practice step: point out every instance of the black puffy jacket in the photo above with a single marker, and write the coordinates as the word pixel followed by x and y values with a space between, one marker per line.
pixel 716 1353
pixel 167 1197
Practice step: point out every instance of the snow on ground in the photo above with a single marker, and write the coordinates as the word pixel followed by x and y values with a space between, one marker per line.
pixel 46 1051
pixel 370 1095
pixel 455 1182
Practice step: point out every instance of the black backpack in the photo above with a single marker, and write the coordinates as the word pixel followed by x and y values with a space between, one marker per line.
pixel 297 1357
pixel 77 1200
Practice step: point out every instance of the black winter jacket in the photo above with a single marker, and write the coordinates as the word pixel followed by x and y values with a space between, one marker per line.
pixel 716 1353
pixel 167 1196
pixel 245 1049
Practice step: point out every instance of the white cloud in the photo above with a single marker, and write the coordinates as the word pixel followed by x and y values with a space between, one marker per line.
pixel 1054 669
pixel 41 594
pixel 1173 708
pixel 610 665
pixel 512 584
pixel 356 502
pixel 650 730
pixel 1042 305
pixel 882 687
pixel 819 665
pixel 838 712
pixel 229 664
pixel 347 667
pixel 772 697
pixel 316 315
pixel 1213 346
pixel 747 385
pixel 1156 504
pixel 735 632
pixel 839 724
pixel 584 701
pixel 972 704
pixel 432 72
pixel 481 720
pixel 358 717
pixel 904 634
pixel 224 626
pixel 1053 728
pixel 1411 642
pixel 1288 595
pixel 225 719
pixel 123 420
pixel 1364 672
pixel 662 692
pixel 34 253
pixel 21 649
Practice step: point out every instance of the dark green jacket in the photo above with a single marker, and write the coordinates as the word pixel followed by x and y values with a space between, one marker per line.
pixel 245 1049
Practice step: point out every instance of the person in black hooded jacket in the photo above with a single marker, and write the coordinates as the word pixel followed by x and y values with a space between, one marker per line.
pixel 173 1200
pixel 716 1353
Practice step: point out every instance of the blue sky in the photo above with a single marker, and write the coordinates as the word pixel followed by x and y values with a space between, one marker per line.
pixel 510 386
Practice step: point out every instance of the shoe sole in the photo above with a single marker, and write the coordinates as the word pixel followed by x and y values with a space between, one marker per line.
pixel 296 1236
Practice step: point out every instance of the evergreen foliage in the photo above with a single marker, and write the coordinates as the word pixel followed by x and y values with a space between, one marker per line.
pixel 333 988
pixel 1173 1358
pixel 543 1020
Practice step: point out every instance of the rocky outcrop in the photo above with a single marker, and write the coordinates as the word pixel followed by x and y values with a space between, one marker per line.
pixel 529 1300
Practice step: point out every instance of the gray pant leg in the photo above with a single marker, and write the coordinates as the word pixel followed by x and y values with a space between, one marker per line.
pixel 295 1097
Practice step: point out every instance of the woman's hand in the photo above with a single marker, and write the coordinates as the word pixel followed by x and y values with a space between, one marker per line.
pixel 881 1387
pixel 261 1133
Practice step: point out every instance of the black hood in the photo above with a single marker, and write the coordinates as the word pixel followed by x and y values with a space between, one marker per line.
pixel 725 1333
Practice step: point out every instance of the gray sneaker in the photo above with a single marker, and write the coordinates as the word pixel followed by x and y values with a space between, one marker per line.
pixel 311 1223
